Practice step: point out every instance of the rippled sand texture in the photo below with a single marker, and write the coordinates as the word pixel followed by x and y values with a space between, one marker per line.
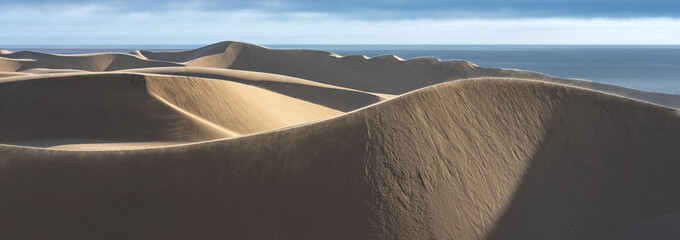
pixel 238 141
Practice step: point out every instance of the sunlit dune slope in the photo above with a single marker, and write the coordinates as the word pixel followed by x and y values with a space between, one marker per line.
pixel 481 158
pixel 238 141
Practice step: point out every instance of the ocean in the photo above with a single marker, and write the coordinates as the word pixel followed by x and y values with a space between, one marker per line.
pixel 653 68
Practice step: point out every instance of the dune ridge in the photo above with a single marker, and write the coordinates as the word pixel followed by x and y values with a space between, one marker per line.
pixel 387 74
pixel 238 141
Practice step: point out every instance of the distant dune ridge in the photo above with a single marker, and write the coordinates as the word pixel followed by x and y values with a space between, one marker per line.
pixel 238 141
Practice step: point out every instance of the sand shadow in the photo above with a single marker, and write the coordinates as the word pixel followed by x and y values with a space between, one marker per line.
pixel 601 166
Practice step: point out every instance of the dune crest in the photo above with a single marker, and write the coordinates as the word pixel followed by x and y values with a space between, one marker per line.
pixel 238 141
pixel 389 75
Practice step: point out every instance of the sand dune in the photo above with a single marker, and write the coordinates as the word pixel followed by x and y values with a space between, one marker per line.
pixel 9 65
pixel 237 141
pixel 240 108
pixel 384 76
pixel 112 107
pixel 139 108
pixel 11 74
pixel 186 56
pixel 339 98
pixel 87 62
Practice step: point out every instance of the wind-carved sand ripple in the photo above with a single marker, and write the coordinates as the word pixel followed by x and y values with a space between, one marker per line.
pixel 239 141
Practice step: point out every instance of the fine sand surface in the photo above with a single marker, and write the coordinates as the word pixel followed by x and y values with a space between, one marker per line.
pixel 238 141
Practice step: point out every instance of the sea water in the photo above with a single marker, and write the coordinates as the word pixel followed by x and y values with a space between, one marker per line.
pixel 651 68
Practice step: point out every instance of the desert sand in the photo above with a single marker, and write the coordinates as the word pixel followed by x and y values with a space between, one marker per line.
pixel 238 141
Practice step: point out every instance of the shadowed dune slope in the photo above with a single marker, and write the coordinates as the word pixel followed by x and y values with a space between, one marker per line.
pixel 185 56
pixel 383 74
pixel 365 74
pixel 473 159
pixel 91 108
pixel 87 62
pixel 127 108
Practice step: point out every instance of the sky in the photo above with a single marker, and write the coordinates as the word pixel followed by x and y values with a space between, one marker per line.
pixel 35 22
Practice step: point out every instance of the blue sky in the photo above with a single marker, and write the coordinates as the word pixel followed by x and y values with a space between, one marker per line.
pixel 340 22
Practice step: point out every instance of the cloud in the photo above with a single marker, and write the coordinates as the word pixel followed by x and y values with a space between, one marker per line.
pixel 95 23
pixel 406 9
